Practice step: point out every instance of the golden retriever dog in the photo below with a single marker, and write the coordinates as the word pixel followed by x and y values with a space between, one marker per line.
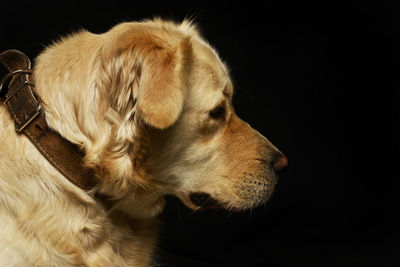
pixel 150 104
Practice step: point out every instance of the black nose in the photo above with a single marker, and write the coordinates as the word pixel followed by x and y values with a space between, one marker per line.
pixel 280 163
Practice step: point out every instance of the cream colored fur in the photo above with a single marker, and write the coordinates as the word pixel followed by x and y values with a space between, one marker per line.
pixel 137 99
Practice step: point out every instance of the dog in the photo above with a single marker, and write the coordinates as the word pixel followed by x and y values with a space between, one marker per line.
pixel 150 103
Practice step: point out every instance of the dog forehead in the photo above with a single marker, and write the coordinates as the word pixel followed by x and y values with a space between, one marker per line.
pixel 209 88
pixel 209 60
pixel 211 81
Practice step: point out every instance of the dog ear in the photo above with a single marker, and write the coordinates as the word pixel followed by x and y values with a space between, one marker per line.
pixel 152 65
pixel 162 82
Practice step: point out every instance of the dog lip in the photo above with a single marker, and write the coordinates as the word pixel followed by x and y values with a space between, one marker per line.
pixel 204 200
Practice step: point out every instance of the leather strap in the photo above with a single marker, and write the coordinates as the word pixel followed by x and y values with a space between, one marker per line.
pixel 24 106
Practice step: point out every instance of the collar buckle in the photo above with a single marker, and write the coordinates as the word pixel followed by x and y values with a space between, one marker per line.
pixel 28 118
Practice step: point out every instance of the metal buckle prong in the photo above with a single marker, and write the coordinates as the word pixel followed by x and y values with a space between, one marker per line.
pixel 16 91
pixel 19 128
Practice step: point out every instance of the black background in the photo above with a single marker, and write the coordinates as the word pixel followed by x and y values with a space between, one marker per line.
pixel 321 81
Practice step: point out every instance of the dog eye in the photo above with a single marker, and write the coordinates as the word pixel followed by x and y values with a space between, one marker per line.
pixel 218 112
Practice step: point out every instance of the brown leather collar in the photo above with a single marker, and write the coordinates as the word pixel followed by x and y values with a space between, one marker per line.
pixel 24 106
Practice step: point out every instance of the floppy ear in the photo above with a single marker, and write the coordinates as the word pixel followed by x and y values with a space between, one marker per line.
pixel 162 81
pixel 150 64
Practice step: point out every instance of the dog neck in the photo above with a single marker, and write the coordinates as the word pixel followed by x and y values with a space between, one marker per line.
pixel 102 124
pixel 25 107
pixel 103 141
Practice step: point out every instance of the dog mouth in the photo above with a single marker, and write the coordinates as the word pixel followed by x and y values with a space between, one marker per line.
pixel 246 195
pixel 205 201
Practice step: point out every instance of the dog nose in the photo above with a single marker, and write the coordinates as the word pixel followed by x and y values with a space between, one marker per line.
pixel 280 163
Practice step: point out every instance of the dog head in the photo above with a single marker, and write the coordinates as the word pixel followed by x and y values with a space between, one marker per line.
pixel 209 157
pixel 155 117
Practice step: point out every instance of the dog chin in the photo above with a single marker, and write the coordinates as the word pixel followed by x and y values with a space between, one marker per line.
pixel 204 201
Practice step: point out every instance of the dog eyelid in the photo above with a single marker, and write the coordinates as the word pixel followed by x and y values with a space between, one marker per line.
pixel 218 112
